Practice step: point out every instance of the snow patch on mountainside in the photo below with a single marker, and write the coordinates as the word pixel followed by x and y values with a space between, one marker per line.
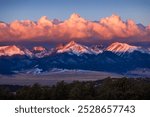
pixel 10 50
pixel 41 52
pixel 77 49
pixel 74 48
pixel 122 48
pixel 39 48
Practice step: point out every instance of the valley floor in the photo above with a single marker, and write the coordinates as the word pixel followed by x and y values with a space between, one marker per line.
pixel 50 78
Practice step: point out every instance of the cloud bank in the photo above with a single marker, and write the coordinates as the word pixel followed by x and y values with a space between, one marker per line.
pixel 74 28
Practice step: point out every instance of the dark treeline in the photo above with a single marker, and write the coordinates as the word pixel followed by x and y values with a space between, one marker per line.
pixel 107 89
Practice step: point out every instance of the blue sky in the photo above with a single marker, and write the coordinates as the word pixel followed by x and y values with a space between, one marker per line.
pixel 138 10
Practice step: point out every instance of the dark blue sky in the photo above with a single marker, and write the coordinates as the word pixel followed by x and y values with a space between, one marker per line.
pixel 138 10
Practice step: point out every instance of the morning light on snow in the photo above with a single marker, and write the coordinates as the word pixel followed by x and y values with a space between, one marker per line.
pixel 75 50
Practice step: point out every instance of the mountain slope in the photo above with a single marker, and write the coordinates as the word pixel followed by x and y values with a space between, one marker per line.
pixel 10 50
pixel 77 49
pixel 121 48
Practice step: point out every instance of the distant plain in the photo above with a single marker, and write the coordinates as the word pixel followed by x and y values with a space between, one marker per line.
pixel 51 78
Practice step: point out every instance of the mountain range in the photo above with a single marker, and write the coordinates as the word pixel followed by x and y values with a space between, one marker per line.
pixel 117 57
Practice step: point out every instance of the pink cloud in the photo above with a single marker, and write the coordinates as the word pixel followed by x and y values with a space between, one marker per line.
pixel 75 27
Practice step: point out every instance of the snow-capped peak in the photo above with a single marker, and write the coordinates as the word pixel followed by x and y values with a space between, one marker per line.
pixel 72 43
pixel 39 48
pixel 10 50
pixel 122 48
pixel 75 48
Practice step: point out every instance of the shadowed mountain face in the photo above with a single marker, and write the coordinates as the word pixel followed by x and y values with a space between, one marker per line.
pixel 118 57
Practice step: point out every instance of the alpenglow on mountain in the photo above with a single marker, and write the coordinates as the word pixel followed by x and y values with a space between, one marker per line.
pixel 10 51
pixel 77 49
pixel 72 48
pixel 117 57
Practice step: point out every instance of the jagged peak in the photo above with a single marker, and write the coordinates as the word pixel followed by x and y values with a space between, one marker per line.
pixel 78 49
pixel 73 47
pixel 72 43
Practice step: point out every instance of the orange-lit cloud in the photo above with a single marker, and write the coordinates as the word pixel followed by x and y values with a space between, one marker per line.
pixel 75 27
